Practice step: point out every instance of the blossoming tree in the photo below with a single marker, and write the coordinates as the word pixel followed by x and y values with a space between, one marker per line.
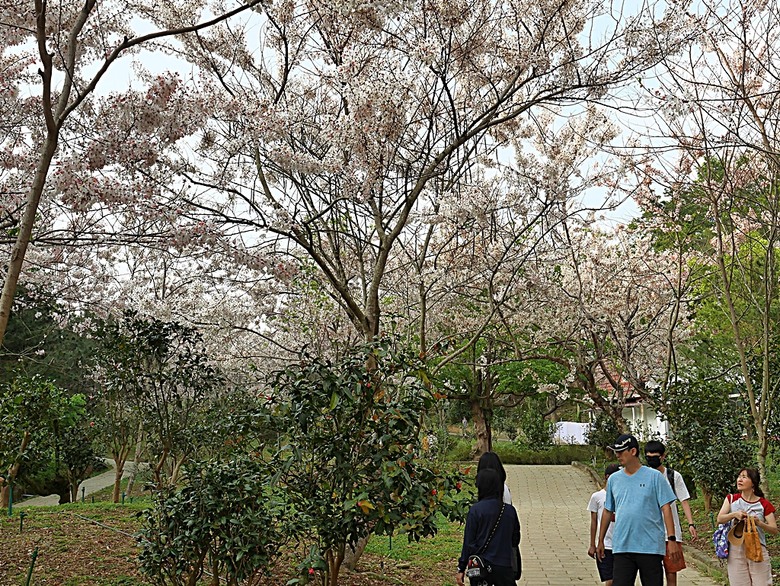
pixel 334 127
pixel 717 108
pixel 53 57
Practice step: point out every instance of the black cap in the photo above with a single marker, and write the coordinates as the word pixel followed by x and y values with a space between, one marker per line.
pixel 625 442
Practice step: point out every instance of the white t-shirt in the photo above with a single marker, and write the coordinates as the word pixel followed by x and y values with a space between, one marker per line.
pixel 759 509
pixel 596 505
pixel 682 495
pixel 507 495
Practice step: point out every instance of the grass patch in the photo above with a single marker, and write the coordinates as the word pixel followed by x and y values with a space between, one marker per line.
pixel 436 557
pixel 444 546
pixel 459 450
pixel 94 545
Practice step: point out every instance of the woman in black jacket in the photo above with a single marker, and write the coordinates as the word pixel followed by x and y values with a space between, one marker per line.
pixel 501 537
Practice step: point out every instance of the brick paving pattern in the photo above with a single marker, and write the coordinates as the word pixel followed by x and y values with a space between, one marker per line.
pixel 551 501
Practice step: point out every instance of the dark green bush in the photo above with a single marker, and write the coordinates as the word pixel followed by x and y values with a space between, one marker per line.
pixel 227 519
pixel 511 453
pixel 603 431
pixel 459 450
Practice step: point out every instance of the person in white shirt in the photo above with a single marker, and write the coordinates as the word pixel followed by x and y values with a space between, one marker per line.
pixel 655 454
pixel 596 507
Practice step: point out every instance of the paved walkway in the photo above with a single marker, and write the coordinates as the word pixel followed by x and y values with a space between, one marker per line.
pixel 90 485
pixel 551 501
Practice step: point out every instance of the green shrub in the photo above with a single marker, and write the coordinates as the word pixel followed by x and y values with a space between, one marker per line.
pixel 602 431
pixel 555 455
pixel 535 429
pixel 512 453
pixel 350 442
pixel 509 452
pixel 459 450
pixel 228 519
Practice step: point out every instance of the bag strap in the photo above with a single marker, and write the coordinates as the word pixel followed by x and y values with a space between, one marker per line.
pixel 750 525
pixel 493 531
pixel 670 478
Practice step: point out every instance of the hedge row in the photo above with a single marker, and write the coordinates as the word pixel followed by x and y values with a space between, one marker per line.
pixel 511 453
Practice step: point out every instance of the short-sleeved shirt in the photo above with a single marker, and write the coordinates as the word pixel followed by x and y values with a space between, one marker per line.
pixel 636 500
pixel 507 498
pixel 759 509
pixel 596 505
pixel 682 495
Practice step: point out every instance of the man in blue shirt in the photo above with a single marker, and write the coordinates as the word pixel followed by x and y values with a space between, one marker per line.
pixel 640 498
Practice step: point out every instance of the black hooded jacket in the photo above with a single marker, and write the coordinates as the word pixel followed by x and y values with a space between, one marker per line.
pixel 479 523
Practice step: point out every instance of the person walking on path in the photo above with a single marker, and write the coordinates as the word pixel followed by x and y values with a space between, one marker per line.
pixel 655 455
pixel 492 461
pixel 643 533
pixel 749 501
pixel 492 531
pixel 596 508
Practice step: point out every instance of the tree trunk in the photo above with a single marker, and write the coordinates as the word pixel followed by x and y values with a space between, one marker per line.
pixel 136 458
pixel 481 428
pixel 75 478
pixel 120 468
pixel 336 560
pixel 707 494
pixel 763 448
pixel 65 495
pixel 13 470
pixel 351 557
pixel 158 469
pixel 25 230
pixel 176 472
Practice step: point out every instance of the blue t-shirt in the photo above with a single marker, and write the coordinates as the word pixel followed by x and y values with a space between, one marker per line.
pixel 636 500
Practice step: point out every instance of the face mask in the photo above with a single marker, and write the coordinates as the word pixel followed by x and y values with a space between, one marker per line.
pixel 653 461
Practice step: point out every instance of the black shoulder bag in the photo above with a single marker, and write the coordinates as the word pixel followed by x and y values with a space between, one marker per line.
pixel 477 570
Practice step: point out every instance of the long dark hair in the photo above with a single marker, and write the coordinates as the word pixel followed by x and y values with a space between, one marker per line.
pixel 755 478
pixel 491 461
pixel 489 484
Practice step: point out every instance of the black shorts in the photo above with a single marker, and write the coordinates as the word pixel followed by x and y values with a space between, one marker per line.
pixel 605 566
pixel 649 566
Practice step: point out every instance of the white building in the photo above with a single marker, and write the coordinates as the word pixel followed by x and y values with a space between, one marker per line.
pixel 644 422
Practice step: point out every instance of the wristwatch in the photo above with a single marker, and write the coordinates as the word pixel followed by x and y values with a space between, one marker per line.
pixel 671 538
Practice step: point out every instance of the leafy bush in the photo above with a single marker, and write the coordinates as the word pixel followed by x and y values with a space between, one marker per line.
pixel 536 431
pixel 512 453
pixel 708 442
pixel 602 431
pixel 507 421
pixel 350 442
pixel 459 450
pixel 46 442
pixel 225 520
